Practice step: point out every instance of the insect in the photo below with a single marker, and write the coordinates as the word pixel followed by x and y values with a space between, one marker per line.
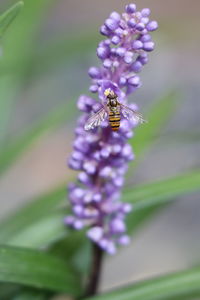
pixel 112 111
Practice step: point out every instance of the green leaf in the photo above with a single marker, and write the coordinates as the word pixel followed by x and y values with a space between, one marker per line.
pixel 8 16
pixel 160 192
pixel 167 287
pixel 140 217
pixel 47 230
pixel 12 151
pixel 39 222
pixel 27 219
pixel 74 248
pixel 8 290
pixel 157 118
pixel 69 245
pixel 32 294
pixel 36 269
pixel 21 38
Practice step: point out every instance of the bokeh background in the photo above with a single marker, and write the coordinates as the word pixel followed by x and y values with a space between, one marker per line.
pixel 43 67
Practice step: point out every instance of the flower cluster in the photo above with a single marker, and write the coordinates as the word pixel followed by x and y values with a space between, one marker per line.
pixel 102 155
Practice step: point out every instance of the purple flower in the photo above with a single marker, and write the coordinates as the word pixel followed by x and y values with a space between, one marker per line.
pixel 100 155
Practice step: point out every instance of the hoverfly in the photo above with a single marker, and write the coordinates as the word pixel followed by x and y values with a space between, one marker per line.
pixel 112 110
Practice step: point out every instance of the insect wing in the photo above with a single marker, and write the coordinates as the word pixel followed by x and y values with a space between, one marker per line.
pixel 96 119
pixel 131 114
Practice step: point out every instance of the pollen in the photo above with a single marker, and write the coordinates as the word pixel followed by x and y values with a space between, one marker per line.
pixel 107 92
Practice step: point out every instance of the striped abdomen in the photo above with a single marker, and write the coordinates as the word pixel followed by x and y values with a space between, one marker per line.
pixel 114 119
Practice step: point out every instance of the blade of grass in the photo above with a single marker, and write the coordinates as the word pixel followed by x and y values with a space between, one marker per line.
pixel 8 17
pixel 36 269
pixel 46 231
pixel 8 290
pixel 74 248
pixel 21 38
pixel 31 213
pixel 157 117
pixel 153 195
pixel 25 227
pixel 32 294
pixel 166 287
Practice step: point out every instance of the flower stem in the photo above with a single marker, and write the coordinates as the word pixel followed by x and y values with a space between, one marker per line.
pixel 95 271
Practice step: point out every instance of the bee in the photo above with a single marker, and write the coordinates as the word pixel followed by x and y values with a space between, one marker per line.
pixel 112 110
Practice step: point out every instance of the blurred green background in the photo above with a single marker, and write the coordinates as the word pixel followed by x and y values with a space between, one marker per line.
pixel 43 69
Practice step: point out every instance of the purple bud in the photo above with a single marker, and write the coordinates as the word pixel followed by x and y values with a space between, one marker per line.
pixel 116 149
pixel 94 73
pixel 117 226
pixel 138 15
pixel 96 155
pixel 107 63
pixel 80 145
pixel 105 152
pixel 122 81
pixel 126 208
pixel 106 172
pixel 106 42
pixel 135 81
pixel 145 20
pixel 102 52
pixel 69 220
pixel 124 240
pixel 111 24
pixel 78 210
pixel 145 38
pixel 132 23
pixel 116 40
pixel 120 51
pixel 119 32
pixel 78 224
pixel 136 66
pixel 74 164
pixel 118 181
pixel 143 59
pixel 103 243
pixel 78 193
pixel 84 178
pixel 128 58
pixel 90 167
pixel 93 88
pixel 127 150
pixel 111 249
pixel 148 46
pixel 136 45
pixel 85 103
pixel 104 30
pixel 88 197
pixel 77 155
pixel 114 15
pixel 116 64
pixel 130 8
pixel 113 51
pixel 129 134
pixel 97 197
pixel 151 26
pixel 140 26
pixel 91 138
pixel 95 233
pixel 145 12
